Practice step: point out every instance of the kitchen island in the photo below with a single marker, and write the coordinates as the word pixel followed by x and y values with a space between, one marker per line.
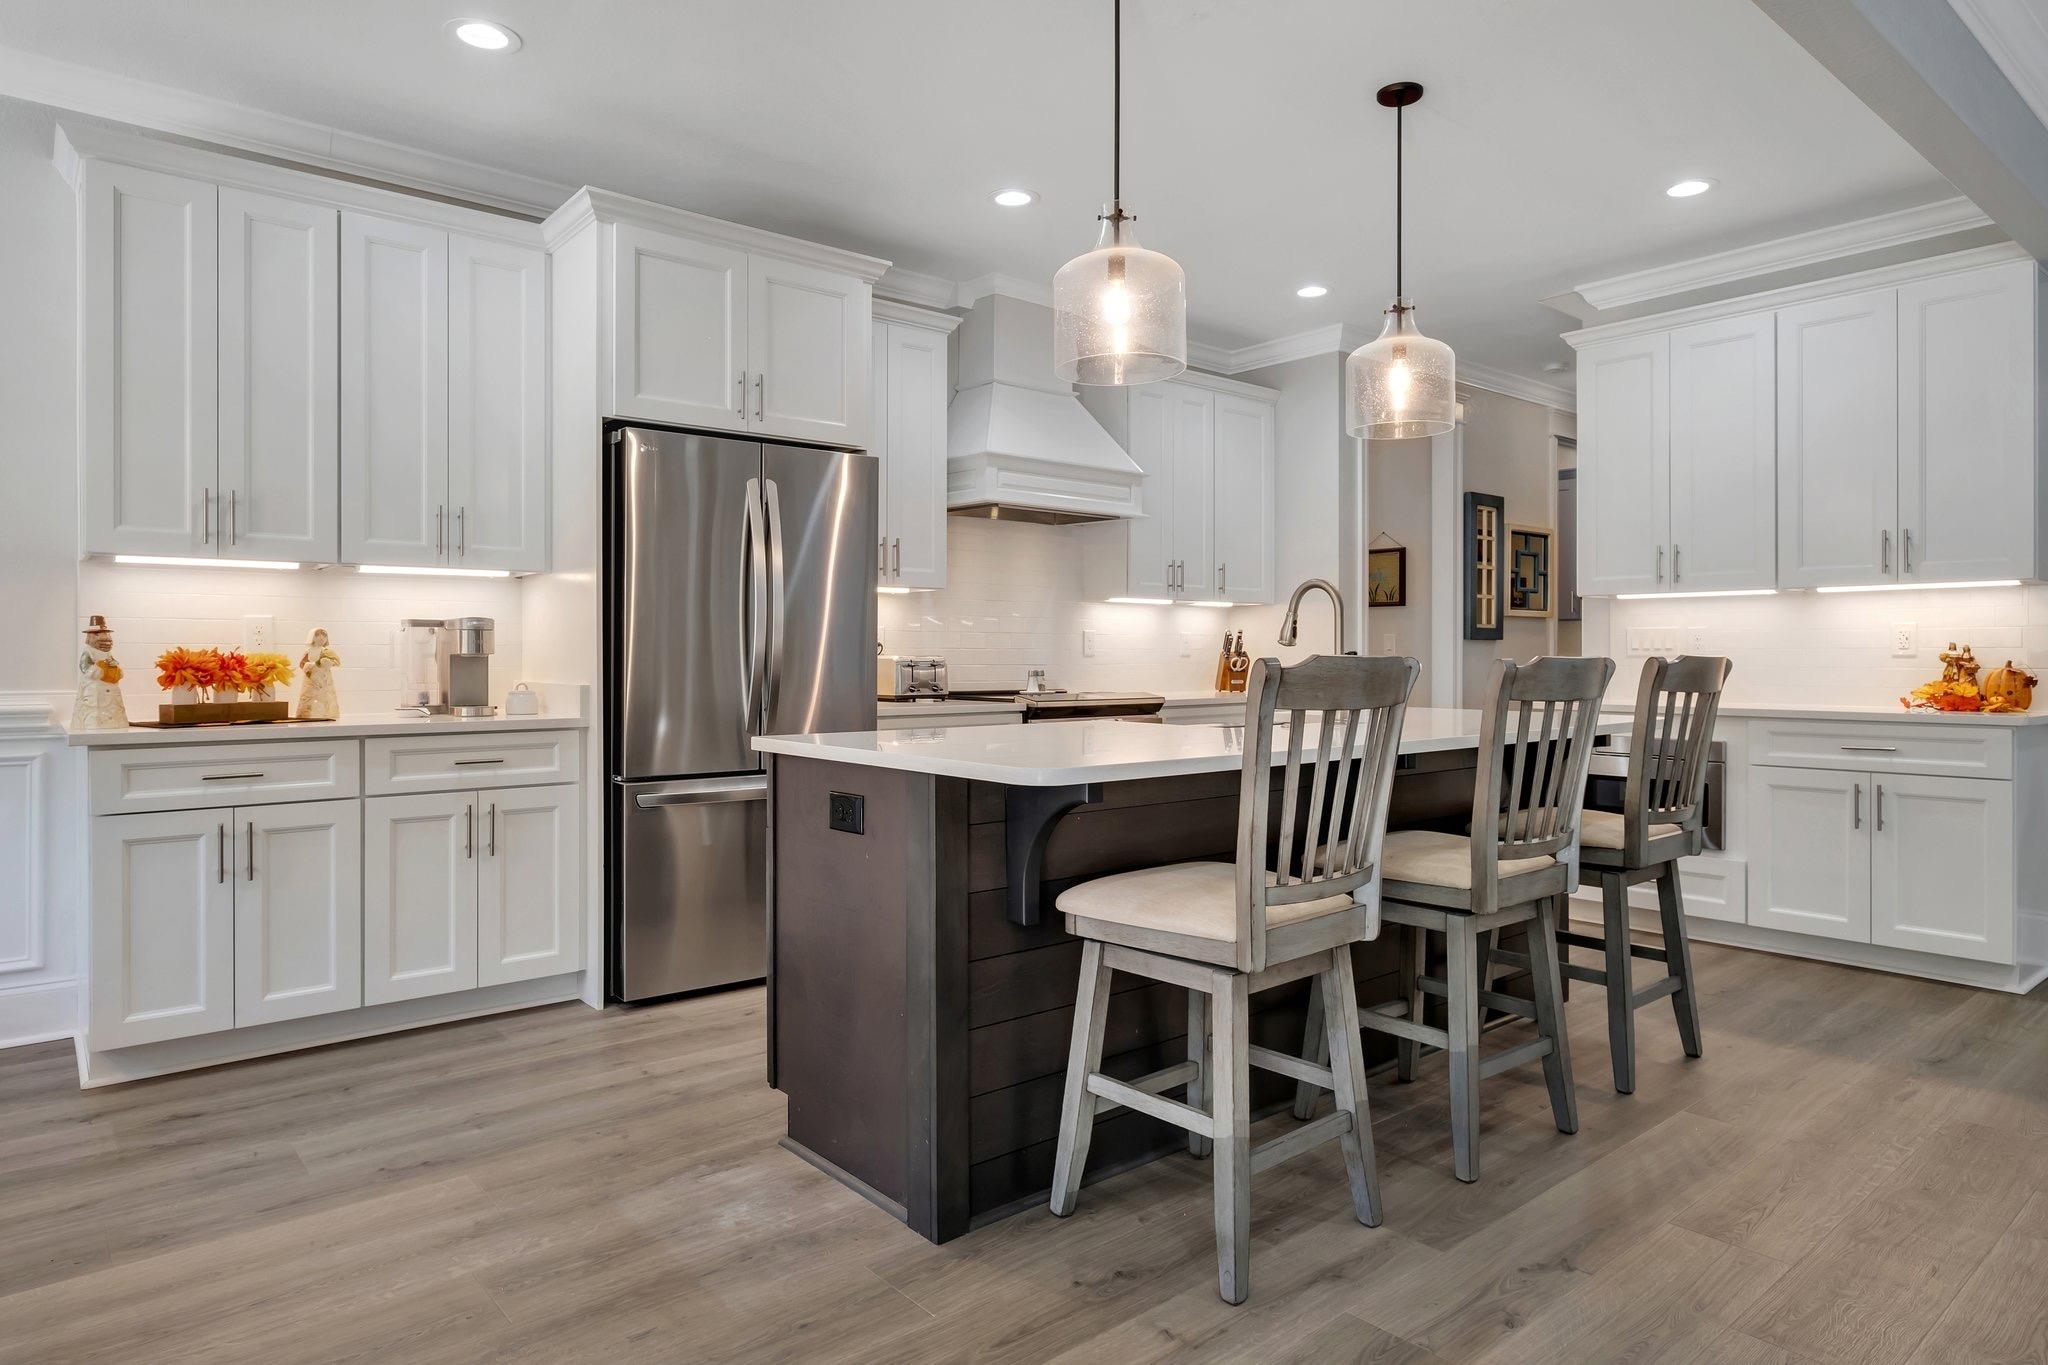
pixel 921 986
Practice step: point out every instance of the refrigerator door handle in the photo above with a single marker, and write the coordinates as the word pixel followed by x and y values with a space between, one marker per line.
pixel 707 792
pixel 776 601
pixel 753 605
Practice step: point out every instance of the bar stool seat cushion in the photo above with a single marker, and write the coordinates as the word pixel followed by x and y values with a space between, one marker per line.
pixel 1435 858
pixel 1198 900
pixel 1604 829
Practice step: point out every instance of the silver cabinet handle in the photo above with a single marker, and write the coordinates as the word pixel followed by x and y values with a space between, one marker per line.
pixel 896 557
pixel 1675 574
pixel 1222 576
pixel 462 532
pixel 252 850
pixel 476 762
pixel 229 777
pixel 1884 552
pixel 741 409
pixel 492 847
pixel 234 516
pixel 221 860
pixel 206 516
pixel 1880 808
pixel 440 531
pixel 884 557
pixel 1660 563
pixel 761 396
pixel 1856 811
pixel 1906 550
pixel 1870 748
pixel 469 829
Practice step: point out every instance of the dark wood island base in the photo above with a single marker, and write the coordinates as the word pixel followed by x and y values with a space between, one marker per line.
pixel 920 1033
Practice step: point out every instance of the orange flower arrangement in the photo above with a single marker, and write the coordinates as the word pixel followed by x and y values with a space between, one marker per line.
pixel 181 667
pixel 267 669
pixel 234 671
pixel 1958 695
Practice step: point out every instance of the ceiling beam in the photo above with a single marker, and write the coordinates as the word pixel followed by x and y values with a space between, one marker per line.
pixel 1921 69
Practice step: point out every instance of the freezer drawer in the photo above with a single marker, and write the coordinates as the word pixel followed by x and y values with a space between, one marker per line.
pixel 690 901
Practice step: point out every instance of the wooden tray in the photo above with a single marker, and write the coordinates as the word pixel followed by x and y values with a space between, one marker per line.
pixel 221 712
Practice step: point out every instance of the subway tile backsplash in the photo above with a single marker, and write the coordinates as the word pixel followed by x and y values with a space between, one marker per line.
pixel 1830 647
pixel 152 607
pixel 1012 601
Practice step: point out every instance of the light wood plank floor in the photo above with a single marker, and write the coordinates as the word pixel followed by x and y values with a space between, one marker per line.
pixel 1857 1171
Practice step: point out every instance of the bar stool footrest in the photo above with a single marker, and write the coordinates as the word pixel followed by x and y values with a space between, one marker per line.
pixel 1522 1053
pixel 1266 1059
pixel 1655 991
pixel 1298 1140
pixel 1145 1102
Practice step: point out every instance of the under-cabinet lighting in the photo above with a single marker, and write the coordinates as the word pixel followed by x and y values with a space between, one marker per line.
pixel 1211 604
pixel 893 592
pixel 182 562
pixel 1914 587
pixel 1724 592
pixel 432 572
pixel 1140 601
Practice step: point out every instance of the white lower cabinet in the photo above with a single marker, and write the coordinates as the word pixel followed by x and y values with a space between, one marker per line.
pixel 1901 860
pixel 297 876
pixel 419 896
pixel 162 927
pixel 531 859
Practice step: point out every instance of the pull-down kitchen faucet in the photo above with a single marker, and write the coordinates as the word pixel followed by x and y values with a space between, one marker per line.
pixel 1290 625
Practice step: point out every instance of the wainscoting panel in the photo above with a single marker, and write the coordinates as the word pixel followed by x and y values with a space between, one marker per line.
pixel 42 871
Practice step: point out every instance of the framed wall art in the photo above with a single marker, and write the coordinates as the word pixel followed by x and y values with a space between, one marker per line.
pixel 1485 597
pixel 1530 582
pixel 1386 575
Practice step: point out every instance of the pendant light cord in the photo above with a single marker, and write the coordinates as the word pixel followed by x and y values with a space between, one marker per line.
pixel 1399 213
pixel 1116 156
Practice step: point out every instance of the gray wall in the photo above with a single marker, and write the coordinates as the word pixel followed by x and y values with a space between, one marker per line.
pixel 1508 453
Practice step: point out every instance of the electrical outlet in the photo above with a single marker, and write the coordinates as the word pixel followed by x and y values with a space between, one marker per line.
pixel 259 633
pixel 847 812
pixel 1905 640
pixel 1187 646
pixel 1088 643
pixel 1695 642
pixel 1388 645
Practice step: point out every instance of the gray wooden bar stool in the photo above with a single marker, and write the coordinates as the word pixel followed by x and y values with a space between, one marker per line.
pixel 1661 821
pixel 1226 931
pixel 1536 739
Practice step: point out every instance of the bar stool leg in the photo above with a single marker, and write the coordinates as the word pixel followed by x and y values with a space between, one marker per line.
pixel 1550 1023
pixel 1315 1049
pixel 1678 959
pixel 1461 980
pixel 1231 1111
pixel 1414 949
pixel 1621 1005
pixel 1347 1070
pixel 1084 1055
pixel 1199 1054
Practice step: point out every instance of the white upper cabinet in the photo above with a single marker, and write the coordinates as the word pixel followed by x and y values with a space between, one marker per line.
pixel 148 352
pixel 1723 480
pixel 679 330
pixel 394 392
pixel 807 333
pixel 1207 448
pixel 1968 449
pixel 1838 440
pixel 1244 499
pixel 1624 465
pixel 908 432
pixel 497 404
pixel 279 372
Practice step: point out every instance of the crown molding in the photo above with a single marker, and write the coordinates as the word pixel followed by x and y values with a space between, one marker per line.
pixel 892 310
pixel 183 113
pixel 971 292
pixel 1472 375
pixel 1798 251
pixel 1203 356
pixel 1927 267
pixel 914 286
pixel 589 205
pixel 2014 34
pixel 1337 338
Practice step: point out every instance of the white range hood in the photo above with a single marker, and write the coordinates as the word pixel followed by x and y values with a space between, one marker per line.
pixel 1019 445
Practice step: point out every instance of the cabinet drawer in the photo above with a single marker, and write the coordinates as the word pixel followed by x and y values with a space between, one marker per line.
pixel 1933 749
pixel 424 763
pixel 196 776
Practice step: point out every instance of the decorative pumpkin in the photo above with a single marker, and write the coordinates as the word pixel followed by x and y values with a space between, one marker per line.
pixel 2013 686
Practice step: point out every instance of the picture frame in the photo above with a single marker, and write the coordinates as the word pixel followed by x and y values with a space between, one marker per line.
pixel 1386 576
pixel 1485 587
pixel 1531 580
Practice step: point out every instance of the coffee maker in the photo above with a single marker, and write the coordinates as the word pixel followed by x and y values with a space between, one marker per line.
pixel 447 665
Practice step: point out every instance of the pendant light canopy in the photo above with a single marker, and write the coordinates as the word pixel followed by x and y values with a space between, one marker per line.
pixel 1120 312
pixel 1401 384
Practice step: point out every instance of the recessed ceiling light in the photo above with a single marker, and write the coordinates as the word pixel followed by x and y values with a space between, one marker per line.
pixel 1311 291
pixel 1686 189
pixel 1013 198
pixel 1555 367
pixel 482 33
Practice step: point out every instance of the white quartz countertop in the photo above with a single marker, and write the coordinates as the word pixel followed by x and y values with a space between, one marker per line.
pixel 1073 752
pixel 1856 712
pixel 348 727
pixel 1175 701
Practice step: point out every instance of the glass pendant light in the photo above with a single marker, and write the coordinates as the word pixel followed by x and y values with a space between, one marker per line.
pixel 1120 312
pixel 1401 384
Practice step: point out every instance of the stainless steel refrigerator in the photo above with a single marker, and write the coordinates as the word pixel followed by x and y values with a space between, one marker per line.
pixel 739 601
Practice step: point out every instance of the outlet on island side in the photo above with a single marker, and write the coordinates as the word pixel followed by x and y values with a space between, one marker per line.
pixel 847 812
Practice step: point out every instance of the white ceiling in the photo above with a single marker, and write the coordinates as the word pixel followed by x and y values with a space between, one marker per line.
pixel 1253 151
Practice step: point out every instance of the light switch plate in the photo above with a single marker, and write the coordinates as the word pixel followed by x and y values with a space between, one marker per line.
pixel 1388 645
pixel 1905 640
pixel 259 633
pixel 1644 641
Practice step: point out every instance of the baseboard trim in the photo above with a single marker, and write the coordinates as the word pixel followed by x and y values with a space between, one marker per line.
pixel 116 1066
pixel 844 1177
pixel 41 1013
pixel 2017 979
